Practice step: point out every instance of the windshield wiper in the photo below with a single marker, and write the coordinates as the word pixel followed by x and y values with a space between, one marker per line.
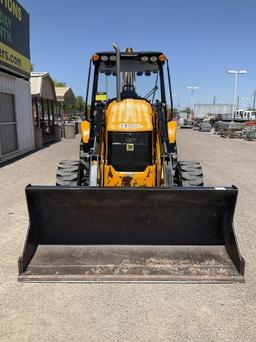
pixel 151 92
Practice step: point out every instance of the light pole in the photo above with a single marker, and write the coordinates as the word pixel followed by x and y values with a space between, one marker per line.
pixel 192 90
pixel 236 73
pixel 243 98
pixel 177 101
pixel 254 100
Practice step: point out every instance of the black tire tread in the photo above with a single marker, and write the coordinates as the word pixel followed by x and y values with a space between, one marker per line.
pixel 69 173
pixel 190 173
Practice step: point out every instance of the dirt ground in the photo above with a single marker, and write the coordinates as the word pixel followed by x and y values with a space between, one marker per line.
pixel 129 312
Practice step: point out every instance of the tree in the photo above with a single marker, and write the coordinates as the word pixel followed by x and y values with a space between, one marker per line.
pixel 59 84
pixel 175 111
pixel 79 105
pixel 32 67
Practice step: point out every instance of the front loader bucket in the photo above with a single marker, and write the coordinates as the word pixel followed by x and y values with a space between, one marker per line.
pixel 128 234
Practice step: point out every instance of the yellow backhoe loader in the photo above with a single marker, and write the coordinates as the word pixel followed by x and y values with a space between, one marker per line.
pixel 128 209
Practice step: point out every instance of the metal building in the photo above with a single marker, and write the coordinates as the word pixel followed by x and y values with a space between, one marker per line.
pixel 43 104
pixel 65 100
pixel 16 122
pixel 202 110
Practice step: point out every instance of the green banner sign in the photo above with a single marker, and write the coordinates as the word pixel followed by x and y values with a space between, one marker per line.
pixel 14 38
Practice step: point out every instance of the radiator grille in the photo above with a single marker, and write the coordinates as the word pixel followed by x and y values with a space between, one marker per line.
pixel 130 151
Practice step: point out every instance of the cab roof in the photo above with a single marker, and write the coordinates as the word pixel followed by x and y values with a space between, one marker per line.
pixel 134 53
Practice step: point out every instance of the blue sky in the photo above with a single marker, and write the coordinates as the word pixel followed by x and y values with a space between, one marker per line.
pixel 201 38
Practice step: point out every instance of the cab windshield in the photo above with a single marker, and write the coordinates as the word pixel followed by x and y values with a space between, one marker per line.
pixel 138 79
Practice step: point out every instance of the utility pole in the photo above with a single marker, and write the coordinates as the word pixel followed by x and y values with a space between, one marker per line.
pixel 192 90
pixel 177 101
pixel 236 73
pixel 246 99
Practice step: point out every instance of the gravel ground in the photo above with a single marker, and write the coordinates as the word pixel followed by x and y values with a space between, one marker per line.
pixel 129 312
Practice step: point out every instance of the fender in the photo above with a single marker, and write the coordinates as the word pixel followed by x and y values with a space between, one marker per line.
pixel 172 129
pixel 85 131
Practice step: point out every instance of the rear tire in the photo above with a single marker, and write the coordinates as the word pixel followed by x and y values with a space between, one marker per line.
pixel 69 173
pixel 190 173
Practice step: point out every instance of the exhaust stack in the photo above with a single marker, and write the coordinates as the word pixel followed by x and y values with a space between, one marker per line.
pixel 118 76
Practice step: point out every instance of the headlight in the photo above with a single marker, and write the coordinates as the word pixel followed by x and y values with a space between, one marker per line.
pixel 144 58
pixel 104 58
pixel 153 59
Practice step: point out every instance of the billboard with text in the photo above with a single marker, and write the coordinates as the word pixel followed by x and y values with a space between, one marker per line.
pixel 14 38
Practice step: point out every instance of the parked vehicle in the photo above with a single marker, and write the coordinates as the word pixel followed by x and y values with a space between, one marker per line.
pixel 245 115
pixel 205 127
pixel 187 124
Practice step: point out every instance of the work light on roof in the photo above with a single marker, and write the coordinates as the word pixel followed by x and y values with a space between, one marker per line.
pixel 153 59
pixel 144 58
pixel 104 58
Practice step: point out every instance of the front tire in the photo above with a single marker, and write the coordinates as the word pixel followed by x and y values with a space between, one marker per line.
pixel 69 173
pixel 189 173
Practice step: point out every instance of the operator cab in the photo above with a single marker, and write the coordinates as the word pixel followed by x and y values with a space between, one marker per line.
pixel 141 76
pixel 133 114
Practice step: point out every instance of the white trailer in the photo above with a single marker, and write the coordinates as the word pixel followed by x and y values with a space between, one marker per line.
pixel 225 110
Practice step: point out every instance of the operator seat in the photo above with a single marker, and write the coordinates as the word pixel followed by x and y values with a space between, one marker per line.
pixel 128 92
